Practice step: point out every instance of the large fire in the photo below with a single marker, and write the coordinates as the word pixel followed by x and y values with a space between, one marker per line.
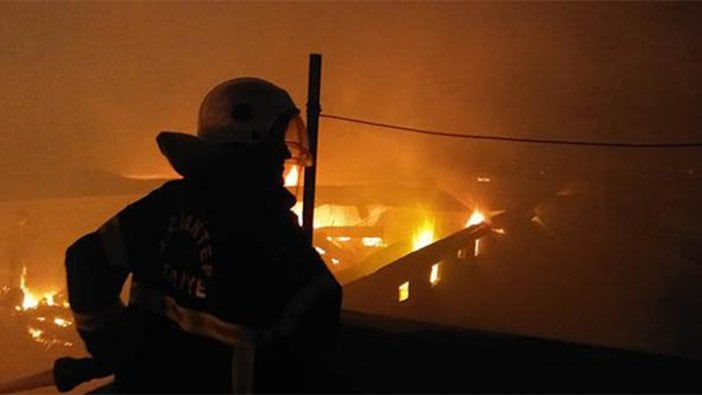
pixel 425 234
pixel 338 248
pixel 347 234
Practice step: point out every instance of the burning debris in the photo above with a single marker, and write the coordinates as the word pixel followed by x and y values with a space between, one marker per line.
pixel 45 315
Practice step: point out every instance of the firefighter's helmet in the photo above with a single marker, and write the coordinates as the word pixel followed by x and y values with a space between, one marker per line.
pixel 242 111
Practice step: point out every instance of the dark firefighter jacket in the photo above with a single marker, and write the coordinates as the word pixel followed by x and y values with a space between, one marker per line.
pixel 213 267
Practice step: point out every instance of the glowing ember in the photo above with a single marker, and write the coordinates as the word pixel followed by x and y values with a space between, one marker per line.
pixel 499 231
pixel 403 291
pixel 292 177
pixel 372 241
pixel 434 276
pixel 424 235
pixel 537 220
pixel 153 176
pixel 61 322
pixel 320 250
pixel 35 333
pixel 335 261
pixel 476 218
pixel 484 179
pixel 476 250
pixel 340 239
pixel 39 336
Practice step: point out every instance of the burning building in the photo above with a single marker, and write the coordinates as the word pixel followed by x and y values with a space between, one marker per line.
pixel 611 260
pixel 420 267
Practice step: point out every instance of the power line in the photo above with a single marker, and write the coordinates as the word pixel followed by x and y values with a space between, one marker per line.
pixel 511 139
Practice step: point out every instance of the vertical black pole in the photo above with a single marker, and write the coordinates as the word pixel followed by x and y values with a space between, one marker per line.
pixel 313 110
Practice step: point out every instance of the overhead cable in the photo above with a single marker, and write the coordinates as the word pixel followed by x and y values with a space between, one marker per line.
pixel 512 139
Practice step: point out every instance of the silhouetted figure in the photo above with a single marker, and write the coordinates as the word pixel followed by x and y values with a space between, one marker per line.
pixel 222 274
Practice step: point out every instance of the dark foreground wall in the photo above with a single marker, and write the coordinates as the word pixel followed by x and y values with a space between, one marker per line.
pixel 382 355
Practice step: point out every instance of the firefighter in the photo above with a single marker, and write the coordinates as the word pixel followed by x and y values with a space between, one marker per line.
pixel 226 290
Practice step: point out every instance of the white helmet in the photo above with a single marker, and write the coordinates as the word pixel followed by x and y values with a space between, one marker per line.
pixel 240 111
pixel 245 110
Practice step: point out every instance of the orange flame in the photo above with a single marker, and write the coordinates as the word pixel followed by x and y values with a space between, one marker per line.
pixel 32 301
pixel 424 235
pixel 62 323
pixel 329 215
pixel 476 218
pixel 29 301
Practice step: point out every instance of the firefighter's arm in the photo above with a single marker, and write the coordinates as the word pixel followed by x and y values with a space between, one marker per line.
pixel 95 278
pixel 309 320
pixel 308 328
pixel 311 317
pixel 97 266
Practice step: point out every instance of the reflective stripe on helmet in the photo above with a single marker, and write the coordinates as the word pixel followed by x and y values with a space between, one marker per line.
pixel 92 322
pixel 114 245
pixel 243 110
pixel 191 321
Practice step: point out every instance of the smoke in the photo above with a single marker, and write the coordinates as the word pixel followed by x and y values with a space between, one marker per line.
pixel 89 85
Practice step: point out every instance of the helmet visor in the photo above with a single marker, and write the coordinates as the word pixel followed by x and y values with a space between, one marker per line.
pixel 297 142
